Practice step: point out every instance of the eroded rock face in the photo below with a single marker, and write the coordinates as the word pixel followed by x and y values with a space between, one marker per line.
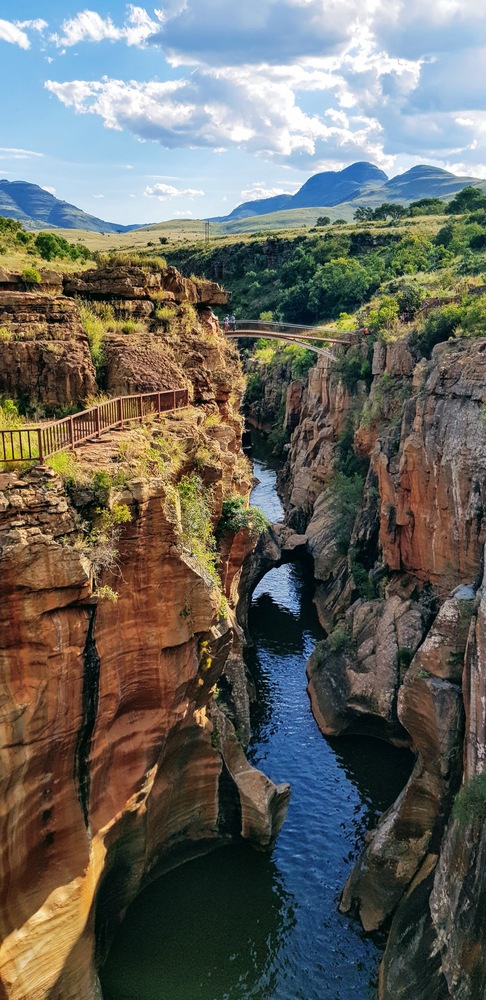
pixel 433 491
pixel 109 766
pixel 354 677
pixel 430 709
pixel 449 957
pixel 45 353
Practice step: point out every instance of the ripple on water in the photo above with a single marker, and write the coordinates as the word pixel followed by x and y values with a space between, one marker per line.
pixel 237 924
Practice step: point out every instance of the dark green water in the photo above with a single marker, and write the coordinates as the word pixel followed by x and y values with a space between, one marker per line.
pixel 238 924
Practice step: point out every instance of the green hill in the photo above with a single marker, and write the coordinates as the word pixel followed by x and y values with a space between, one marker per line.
pixel 36 208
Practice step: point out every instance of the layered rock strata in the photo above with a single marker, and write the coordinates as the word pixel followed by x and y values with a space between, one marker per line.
pixel 404 656
pixel 116 762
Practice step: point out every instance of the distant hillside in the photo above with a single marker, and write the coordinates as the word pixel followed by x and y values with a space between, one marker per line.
pixel 331 187
pixel 344 190
pixel 36 208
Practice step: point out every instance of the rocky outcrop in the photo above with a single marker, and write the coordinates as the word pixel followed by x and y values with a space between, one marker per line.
pixel 433 489
pixel 354 676
pixel 448 904
pixel 150 282
pixel 403 661
pixel 45 353
pixel 117 763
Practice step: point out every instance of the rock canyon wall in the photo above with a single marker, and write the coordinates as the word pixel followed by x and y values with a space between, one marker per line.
pixel 386 491
pixel 117 762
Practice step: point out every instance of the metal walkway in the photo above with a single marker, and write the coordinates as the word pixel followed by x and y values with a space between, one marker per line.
pixel 34 444
pixel 289 333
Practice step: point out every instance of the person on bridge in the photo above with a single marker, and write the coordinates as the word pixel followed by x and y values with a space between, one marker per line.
pixel 233 323
pixel 226 324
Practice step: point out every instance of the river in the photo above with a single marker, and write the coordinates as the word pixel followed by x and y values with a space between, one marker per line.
pixel 237 924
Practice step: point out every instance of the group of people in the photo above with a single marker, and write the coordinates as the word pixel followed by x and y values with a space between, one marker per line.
pixel 229 323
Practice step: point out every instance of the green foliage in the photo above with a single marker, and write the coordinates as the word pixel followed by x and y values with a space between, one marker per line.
pixel 236 515
pixel 95 330
pixel 64 463
pixel 427 206
pixel 339 640
pixel 346 495
pixel 470 803
pixel 404 657
pixel 31 277
pixel 354 366
pixel 254 388
pixel 385 316
pixel 341 284
pixel 347 461
pixel 467 200
pixel 302 360
pixel 439 326
pixel 323 220
pixel 50 246
pixel 106 593
pixel 195 523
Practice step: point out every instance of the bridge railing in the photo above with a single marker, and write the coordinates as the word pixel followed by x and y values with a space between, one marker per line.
pixel 289 329
pixel 34 444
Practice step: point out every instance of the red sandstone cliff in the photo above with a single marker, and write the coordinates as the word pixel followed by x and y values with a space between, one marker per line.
pixel 116 761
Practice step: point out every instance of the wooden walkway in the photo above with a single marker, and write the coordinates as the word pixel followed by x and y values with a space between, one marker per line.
pixel 35 444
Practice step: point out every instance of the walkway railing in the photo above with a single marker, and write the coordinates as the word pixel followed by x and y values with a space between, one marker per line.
pixel 34 444
pixel 290 329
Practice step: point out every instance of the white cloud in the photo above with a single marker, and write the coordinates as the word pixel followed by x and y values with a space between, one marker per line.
pixel 89 26
pixel 301 82
pixel 182 214
pixel 98 196
pixel 37 25
pixel 260 191
pixel 10 32
pixel 163 191
pixel 50 190
pixel 11 153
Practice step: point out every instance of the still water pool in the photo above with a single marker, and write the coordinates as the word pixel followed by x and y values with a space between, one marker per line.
pixel 237 924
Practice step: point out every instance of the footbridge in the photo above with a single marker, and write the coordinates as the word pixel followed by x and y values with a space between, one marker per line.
pixel 288 333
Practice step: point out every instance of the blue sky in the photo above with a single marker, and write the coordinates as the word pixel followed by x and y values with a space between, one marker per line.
pixel 140 113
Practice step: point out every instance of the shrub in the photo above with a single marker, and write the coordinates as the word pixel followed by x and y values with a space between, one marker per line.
pixel 235 515
pixel 470 802
pixel 195 523
pixel 31 277
pixel 94 329
pixel 339 640
pixel 346 494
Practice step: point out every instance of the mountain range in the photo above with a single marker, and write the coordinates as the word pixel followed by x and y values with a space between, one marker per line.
pixel 37 208
pixel 359 184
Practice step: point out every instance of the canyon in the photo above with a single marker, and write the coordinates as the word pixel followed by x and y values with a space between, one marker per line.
pixel 125 698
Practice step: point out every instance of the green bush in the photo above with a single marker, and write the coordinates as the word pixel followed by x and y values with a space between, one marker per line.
pixel 470 802
pixel 195 523
pixel 235 516
pixel 346 495
pixel 31 277
pixel 339 640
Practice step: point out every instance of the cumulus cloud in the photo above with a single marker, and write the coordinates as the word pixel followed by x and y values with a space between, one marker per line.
pixel 258 190
pixel 50 190
pixel 233 108
pixel 299 81
pixel 89 26
pixel 163 191
pixel 10 32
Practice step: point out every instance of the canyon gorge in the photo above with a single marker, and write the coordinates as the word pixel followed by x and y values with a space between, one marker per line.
pixel 125 705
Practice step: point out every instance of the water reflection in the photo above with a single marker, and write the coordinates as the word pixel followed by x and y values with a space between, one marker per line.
pixel 235 924
pixel 213 928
